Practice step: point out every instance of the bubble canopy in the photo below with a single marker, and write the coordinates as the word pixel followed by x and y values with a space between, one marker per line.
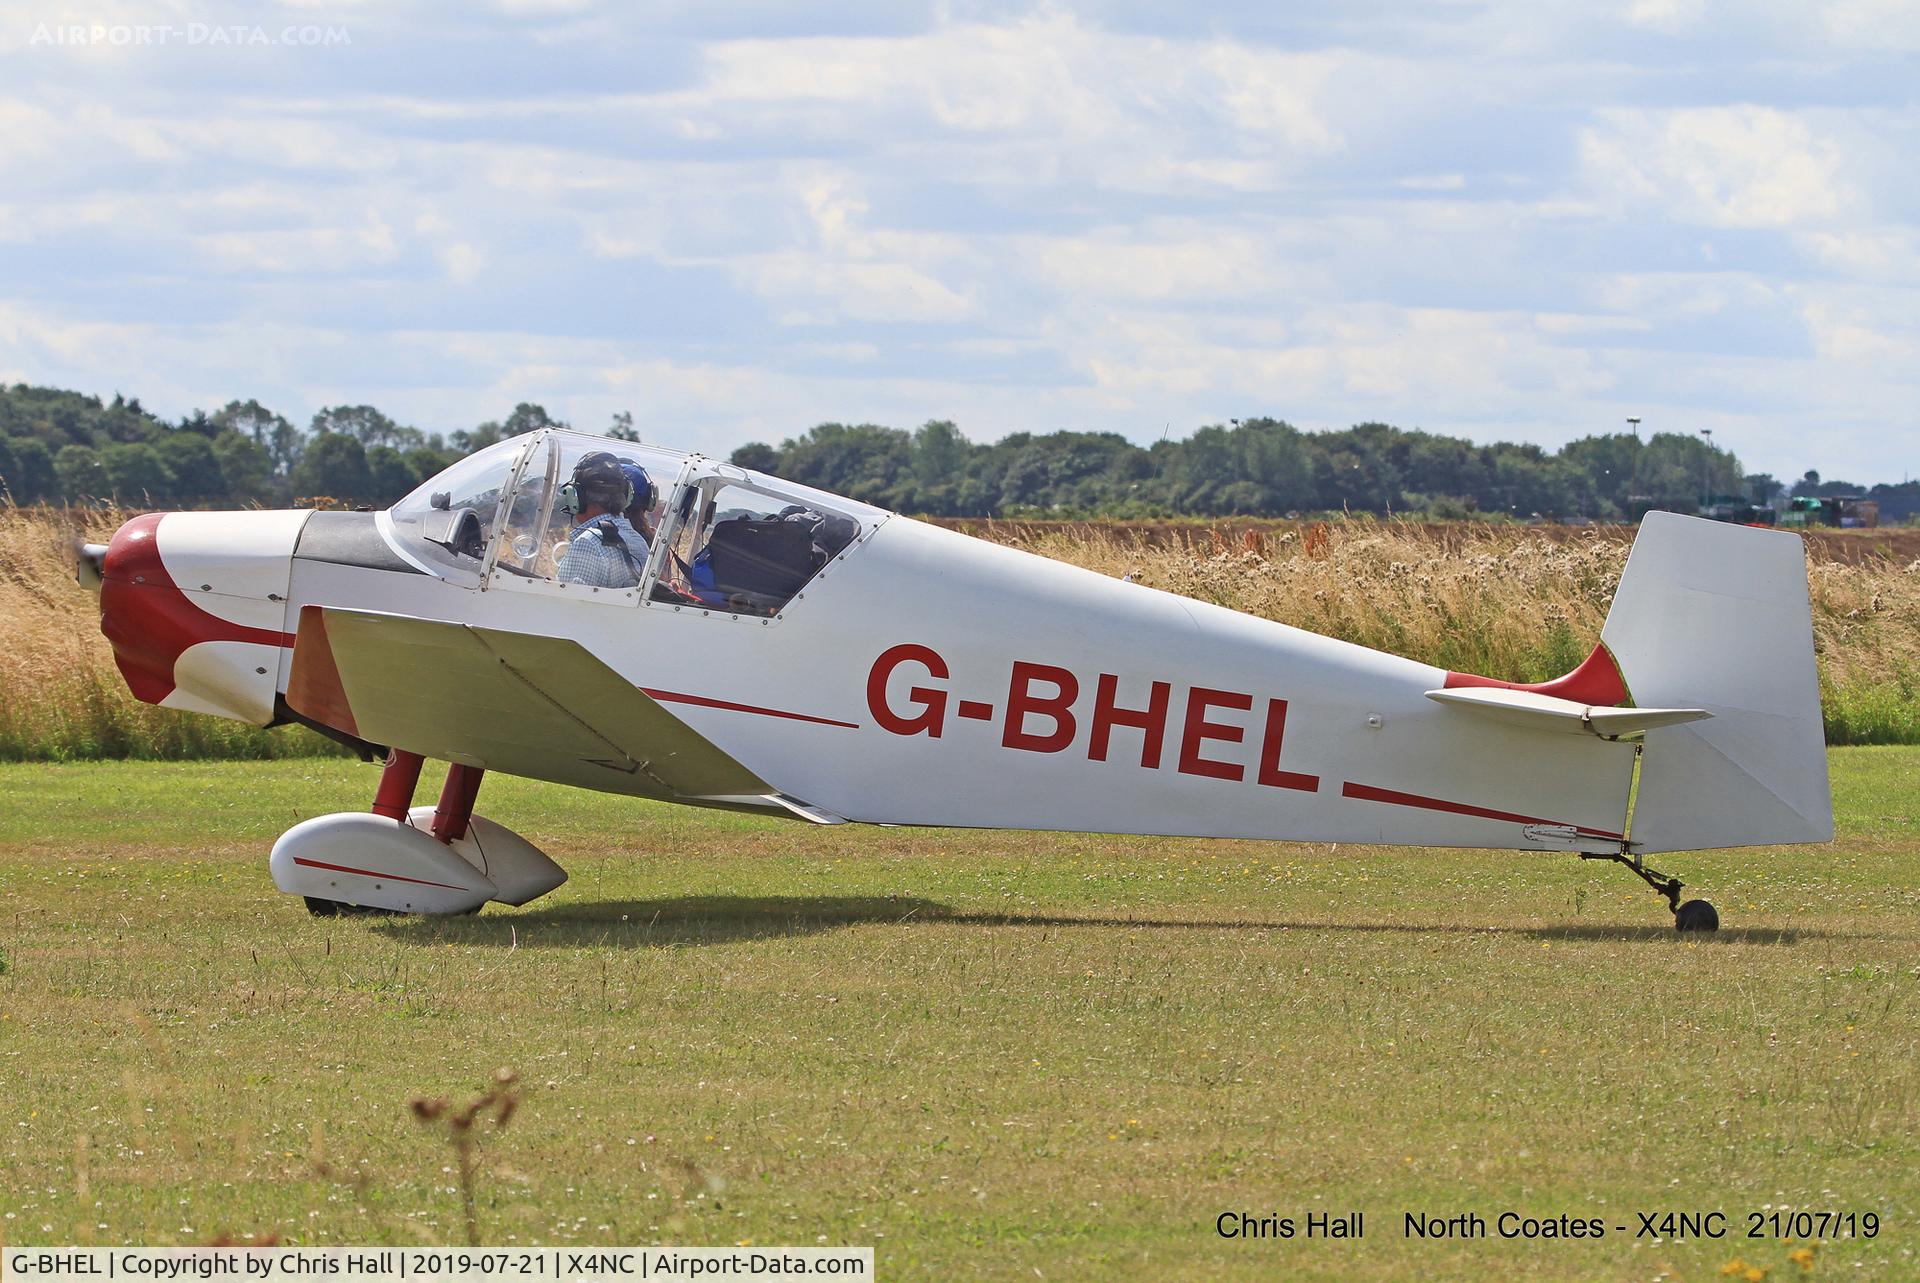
pixel 684 530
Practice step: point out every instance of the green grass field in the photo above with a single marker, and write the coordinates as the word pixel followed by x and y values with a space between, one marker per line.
pixel 994 1055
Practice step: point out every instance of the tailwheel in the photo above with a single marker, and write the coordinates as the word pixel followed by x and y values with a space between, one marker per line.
pixel 1696 915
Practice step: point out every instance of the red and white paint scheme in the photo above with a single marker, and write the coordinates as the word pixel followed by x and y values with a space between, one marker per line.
pixel 805 655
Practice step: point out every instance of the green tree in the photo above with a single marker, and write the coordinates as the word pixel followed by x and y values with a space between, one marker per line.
pixel 333 467
pixel 194 469
pixel 273 433
pixel 125 422
pixel 622 429
pixel 388 475
pixel 756 456
pixel 467 441
pixel 940 452
pixel 136 472
pixel 428 460
pixel 31 477
pixel 366 425
pixel 80 475
pixel 866 462
pixel 246 465
pixel 1260 466
pixel 528 417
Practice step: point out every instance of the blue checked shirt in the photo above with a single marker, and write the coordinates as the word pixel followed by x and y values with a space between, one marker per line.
pixel 591 560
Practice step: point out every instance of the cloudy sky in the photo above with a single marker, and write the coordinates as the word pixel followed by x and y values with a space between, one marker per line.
pixel 1521 220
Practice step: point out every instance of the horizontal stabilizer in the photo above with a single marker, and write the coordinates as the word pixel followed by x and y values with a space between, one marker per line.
pixel 1549 713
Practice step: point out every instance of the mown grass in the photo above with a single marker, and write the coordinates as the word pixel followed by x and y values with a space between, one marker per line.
pixel 1517 603
pixel 991 1055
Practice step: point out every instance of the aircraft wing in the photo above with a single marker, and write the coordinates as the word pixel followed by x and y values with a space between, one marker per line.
pixel 542 707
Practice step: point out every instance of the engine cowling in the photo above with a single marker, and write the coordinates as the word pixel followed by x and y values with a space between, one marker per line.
pixel 195 605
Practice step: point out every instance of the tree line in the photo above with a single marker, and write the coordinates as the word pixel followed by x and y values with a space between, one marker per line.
pixel 58 446
pixel 1267 467
pixel 61 446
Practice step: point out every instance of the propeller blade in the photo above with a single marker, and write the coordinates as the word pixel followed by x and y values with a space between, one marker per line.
pixel 88 558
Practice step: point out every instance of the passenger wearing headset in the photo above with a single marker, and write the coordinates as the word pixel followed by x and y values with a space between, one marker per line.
pixel 633 525
pixel 597 554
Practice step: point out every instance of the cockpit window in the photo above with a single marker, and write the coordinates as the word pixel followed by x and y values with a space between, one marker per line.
pixel 449 521
pixel 563 510
pixel 748 546
pixel 584 512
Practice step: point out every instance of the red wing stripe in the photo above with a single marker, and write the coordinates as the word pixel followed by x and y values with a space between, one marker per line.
pixel 369 873
pixel 674 697
pixel 1368 793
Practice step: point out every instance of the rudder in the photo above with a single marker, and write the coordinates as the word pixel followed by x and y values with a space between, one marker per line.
pixel 1716 616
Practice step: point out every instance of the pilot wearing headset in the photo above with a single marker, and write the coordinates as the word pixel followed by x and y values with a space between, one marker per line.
pixel 598 554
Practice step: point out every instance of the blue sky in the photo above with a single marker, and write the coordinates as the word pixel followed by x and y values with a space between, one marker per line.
pixel 1503 220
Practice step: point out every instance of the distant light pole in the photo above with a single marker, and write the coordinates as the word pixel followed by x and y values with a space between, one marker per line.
pixel 1706 466
pixel 1633 472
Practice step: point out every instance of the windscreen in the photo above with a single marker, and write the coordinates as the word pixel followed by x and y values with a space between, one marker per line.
pixel 450 520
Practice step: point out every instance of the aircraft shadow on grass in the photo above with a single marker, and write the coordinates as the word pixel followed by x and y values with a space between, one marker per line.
pixel 682 920
pixel 724 919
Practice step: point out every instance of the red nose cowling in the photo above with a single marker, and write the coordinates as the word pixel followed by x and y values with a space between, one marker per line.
pixel 148 619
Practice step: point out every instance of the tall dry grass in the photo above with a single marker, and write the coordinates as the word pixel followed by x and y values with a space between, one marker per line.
pixel 1507 602
pixel 1503 601
pixel 61 697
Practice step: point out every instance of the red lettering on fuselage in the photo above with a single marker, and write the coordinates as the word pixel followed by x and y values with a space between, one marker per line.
pixel 1040 718
pixel 1270 772
pixel 1151 721
pixel 933 703
pixel 1200 700
pixel 1021 701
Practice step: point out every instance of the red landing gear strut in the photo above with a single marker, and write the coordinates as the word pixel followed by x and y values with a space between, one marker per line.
pixel 456 802
pixel 397 783
pixel 394 797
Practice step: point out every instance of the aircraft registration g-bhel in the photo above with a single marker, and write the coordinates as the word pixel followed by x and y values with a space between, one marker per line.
pixel 773 648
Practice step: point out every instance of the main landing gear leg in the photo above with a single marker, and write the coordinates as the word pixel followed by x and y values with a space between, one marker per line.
pixel 1691 915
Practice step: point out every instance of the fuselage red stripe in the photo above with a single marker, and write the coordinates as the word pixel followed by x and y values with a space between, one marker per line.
pixel 1368 793
pixel 704 701
pixel 369 873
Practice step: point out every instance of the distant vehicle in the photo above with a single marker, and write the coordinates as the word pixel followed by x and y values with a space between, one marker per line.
pixel 1845 511
pixel 760 646
pixel 1737 509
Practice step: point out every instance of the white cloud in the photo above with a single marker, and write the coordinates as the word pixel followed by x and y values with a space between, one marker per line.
pixel 1493 220
pixel 1668 16
pixel 1739 166
pixel 1184 263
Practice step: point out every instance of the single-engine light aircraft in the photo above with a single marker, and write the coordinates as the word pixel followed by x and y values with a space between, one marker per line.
pixel 636 620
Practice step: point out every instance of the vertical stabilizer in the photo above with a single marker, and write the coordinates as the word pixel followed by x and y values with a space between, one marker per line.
pixel 1715 616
